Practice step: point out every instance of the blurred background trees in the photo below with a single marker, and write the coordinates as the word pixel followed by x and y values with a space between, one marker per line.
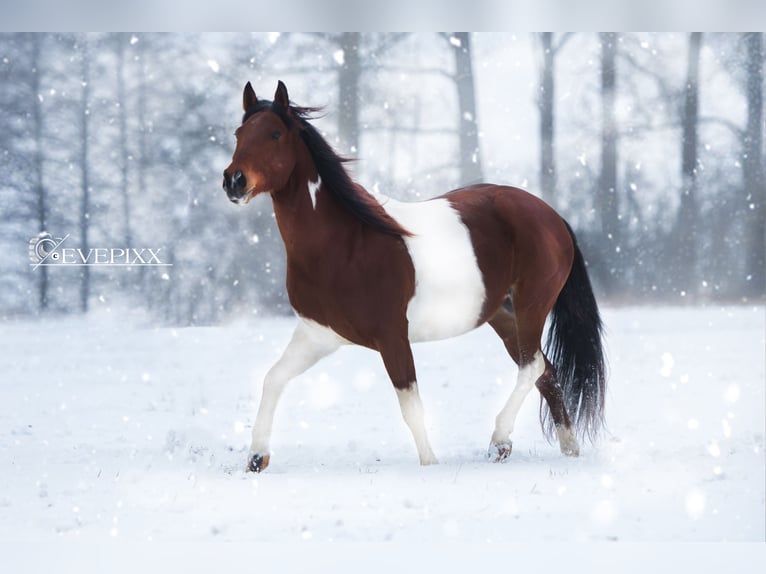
pixel 651 145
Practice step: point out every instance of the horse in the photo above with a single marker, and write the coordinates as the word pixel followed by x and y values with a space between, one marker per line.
pixel 368 270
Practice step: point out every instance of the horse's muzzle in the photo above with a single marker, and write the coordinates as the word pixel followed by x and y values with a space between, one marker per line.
pixel 235 185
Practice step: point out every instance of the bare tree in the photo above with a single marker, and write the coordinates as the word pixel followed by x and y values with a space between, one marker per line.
pixel 141 90
pixel 470 157
pixel 37 161
pixel 753 168
pixel 607 200
pixel 85 207
pixel 352 65
pixel 122 112
pixel 545 102
pixel 348 58
pixel 686 232
pixel 349 76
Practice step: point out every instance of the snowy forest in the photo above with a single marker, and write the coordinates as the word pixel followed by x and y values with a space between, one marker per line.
pixel 131 390
pixel 650 145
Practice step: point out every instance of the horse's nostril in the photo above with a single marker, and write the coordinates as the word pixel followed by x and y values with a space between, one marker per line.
pixel 237 180
pixel 234 182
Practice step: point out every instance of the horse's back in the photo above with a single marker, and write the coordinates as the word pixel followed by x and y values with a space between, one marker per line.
pixel 512 205
pixel 511 218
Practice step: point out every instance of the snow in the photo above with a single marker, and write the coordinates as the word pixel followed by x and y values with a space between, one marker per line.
pixel 116 431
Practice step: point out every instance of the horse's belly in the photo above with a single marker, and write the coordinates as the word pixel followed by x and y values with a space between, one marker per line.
pixel 449 287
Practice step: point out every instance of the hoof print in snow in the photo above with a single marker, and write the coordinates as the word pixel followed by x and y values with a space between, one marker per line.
pixel 258 462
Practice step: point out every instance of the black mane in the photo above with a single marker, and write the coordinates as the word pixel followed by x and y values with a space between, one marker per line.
pixel 329 165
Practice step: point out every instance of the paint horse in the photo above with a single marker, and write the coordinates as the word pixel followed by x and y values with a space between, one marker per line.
pixel 367 270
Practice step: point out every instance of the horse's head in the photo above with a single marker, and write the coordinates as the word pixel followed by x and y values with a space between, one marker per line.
pixel 266 147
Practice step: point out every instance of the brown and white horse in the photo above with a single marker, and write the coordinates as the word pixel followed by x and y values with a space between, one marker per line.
pixel 368 270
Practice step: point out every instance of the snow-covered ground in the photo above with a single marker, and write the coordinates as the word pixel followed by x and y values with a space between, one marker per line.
pixel 111 431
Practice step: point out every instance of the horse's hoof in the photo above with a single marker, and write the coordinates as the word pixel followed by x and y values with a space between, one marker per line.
pixel 258 462
pixel 572 449
pixel 499 452
pixel 568 441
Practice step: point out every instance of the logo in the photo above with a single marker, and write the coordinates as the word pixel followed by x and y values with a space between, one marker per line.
pixel 46 250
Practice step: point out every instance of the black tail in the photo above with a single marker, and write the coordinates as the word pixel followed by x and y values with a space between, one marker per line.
pixel 575 350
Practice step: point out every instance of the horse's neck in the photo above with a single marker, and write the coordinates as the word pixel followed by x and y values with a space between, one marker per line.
pixel 305 223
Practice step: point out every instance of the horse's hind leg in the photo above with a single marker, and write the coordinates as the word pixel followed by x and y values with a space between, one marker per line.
pixel 506 326
pixel 529 372
pixel 553 394
pixel 521 333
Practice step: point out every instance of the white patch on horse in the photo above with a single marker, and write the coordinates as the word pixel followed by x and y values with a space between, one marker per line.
pixel 449 287
pixel 313 189
pixel 568 441
pixel 322 335
pixel 525 382
pixel 413 414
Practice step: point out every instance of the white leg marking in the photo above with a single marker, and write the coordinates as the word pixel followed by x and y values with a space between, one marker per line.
pixel 449 287
pixel 525 382
pixel 568 441
pixel 313 189
pixel 310 342
pixel 412 411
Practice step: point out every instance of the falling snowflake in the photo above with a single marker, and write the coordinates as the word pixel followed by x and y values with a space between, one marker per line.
pixel 667 364
pixel 693 424
pixel 732 393
pixel 695 503
pixel 714 449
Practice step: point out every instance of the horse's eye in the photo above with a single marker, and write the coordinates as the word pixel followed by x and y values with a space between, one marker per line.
pixel 276 134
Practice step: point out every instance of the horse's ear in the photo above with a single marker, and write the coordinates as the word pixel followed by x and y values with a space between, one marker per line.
pixel 248 97
pixel 281 97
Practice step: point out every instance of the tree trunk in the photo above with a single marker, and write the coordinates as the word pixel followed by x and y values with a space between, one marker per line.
pixel 686 225
pixel 143 159
pixel 85 179
pixel 470 158
pixel 122 119
pixel 607 193
pixel 348 92
pixel 41 206
pixel 753 169
pixel 547 158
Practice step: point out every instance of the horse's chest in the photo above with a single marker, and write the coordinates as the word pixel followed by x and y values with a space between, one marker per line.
pixel 449 287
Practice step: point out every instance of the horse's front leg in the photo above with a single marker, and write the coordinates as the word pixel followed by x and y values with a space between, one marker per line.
pixel 308 345
pixel 397 357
